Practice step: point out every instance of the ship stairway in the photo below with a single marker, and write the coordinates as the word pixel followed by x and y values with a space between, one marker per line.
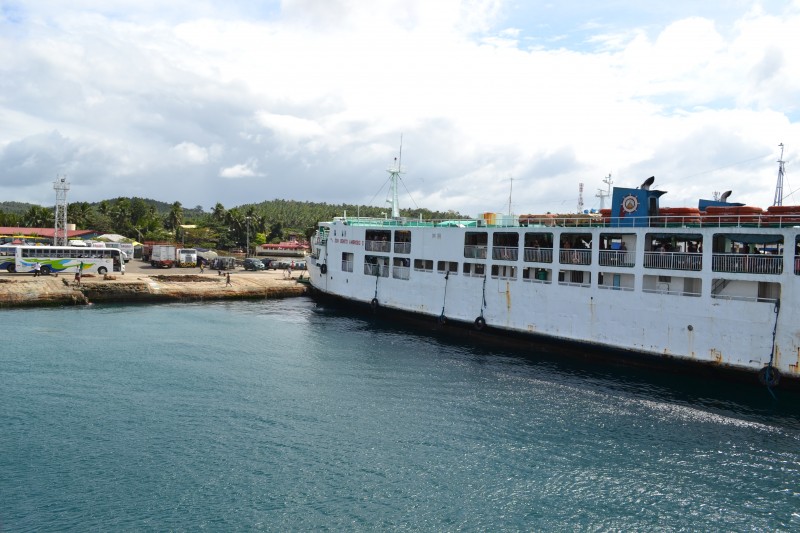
pixel 719 286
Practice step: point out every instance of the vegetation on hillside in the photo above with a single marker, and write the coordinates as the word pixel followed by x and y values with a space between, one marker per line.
pixel 145 220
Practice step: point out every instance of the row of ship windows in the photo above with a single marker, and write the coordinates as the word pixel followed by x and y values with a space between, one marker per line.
pixel 729 263
pixel 677 286
pixel 731 253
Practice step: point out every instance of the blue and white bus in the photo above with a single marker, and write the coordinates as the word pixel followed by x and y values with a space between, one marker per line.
pixel 8 257
pixel 52 259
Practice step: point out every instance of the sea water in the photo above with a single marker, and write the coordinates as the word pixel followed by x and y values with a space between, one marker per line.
pixel 280 415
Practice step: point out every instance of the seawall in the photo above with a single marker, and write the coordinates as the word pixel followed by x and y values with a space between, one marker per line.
pixel 24 290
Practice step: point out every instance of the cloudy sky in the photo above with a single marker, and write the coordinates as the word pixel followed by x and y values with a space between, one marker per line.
pixel 245 100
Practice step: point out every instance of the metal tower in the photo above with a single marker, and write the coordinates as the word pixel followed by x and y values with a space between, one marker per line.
pixel 779 187
pixel 61 185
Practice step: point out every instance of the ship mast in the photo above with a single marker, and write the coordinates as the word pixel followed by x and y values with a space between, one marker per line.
pixel 394 176
pixel 604 194
pixel 779 187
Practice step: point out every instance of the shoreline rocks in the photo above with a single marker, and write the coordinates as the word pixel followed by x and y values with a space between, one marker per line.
pixel 27 291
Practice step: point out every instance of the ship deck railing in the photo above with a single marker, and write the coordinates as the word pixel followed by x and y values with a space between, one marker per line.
pixel 618 258
pixel 538 255
pixel 591 221
pixel 747 263
pixel 674 260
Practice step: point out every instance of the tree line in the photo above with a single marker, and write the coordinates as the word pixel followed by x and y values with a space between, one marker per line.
pixel 220 228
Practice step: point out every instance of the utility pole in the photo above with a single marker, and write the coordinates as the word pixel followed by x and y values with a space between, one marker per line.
pixel 247 246
pixel 61 185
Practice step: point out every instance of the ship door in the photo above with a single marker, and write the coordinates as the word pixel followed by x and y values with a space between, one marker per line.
pixel 616 281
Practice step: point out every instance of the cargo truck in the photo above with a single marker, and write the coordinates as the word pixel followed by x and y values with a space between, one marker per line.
pixel 163 256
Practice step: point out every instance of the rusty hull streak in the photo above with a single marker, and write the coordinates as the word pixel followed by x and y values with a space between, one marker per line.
pixel 795 368
pixel 716 355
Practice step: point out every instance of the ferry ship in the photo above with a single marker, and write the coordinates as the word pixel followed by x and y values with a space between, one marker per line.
pixel 715 286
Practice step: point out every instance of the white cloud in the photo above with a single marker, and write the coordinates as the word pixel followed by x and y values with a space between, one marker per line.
pixel 319 93
pixel 241 170
pixel 191 153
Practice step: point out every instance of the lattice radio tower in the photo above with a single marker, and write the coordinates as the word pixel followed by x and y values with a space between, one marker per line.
pixel 779 187
pixel 61 185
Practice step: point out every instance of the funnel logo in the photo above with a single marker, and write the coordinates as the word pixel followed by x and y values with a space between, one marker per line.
pixel 630 204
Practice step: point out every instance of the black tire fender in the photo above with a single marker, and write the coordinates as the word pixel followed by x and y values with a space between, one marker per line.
pixel 323 268
pixel 480 323
pixel 374 304
pixel 769 376
pixel 441 319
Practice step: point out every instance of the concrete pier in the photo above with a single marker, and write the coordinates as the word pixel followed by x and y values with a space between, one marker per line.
pixel 145 284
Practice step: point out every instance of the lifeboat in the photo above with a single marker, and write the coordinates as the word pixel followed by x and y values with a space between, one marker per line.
pixel 678 216
pixel 783 215
pixel 719 215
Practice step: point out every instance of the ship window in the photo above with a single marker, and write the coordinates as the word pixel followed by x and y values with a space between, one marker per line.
pixel 475 244
pixel 538 247
pixel 375 265
pixel 423 265
pixel 402 242
pixel 504 272
pixel 797 255
pixel 474 269
pixel 400 268
pixel 615 281
pixel 540 275
pixel 577 278
pixel 347 262
pixel 377 240
pixel 447 266
pixel 505 245
pixel 673 285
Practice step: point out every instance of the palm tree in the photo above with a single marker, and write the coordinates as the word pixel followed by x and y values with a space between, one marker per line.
pixel 218 213
pixel 38 217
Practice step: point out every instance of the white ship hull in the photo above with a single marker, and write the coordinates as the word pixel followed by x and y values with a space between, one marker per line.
pixel 706 305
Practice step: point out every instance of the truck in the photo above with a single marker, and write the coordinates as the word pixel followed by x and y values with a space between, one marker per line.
pixel 147 248
pixel 163 255
pixel 186 257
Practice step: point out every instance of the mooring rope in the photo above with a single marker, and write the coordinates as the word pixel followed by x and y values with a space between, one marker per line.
pixel 483 304
pixel 444 299
pixel 768 375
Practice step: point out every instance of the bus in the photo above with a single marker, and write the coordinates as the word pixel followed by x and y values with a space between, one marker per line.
pixel 54 259
pixel 8 258
pixel 126 247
